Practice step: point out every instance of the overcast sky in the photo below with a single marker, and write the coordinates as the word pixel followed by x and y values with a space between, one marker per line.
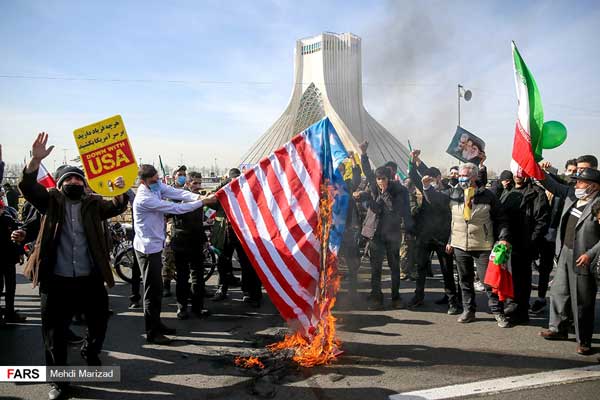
pixel 198 81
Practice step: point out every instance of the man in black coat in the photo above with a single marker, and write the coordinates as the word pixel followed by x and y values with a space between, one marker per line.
pixel 388 208
pixel 528 212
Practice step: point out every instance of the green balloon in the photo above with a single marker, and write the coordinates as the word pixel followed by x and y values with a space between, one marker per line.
pixel 554 134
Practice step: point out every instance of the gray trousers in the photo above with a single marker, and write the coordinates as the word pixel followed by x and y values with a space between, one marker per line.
pixel 572 296
pixel 151 266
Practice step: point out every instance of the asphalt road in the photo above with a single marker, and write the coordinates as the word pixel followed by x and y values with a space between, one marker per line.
pixel 387 352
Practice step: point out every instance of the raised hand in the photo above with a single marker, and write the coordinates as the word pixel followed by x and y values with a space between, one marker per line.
pixel 363 146
pixel 38 148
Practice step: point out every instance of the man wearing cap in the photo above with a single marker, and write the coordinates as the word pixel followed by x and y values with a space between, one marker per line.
pixel 149 209
pixel 70 260
pixel 573 292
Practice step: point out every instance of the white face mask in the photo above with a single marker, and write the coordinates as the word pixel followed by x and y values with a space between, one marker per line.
pixel 581 193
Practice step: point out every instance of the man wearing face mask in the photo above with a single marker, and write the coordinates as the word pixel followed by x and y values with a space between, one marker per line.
pixel 433 230
pixel 388 209
pixel 453 176
pixel 179 177
pixel 70 260
pixel 477 222
pixel 573 293
pixel 188 242
pixel 149 209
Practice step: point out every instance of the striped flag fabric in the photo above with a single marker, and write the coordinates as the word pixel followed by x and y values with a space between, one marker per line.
pixel 274 210
pixel 45 178
pixel 527 145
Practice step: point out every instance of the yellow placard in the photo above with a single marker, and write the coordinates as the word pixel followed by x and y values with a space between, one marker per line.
pixel 106 154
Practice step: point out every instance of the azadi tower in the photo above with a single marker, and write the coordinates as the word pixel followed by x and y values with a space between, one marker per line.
pixel 328 82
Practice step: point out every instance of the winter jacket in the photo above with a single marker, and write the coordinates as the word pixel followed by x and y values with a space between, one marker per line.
pixel 528 214
pixel 8 249
pixel 488 221
pixel 587 230
pixel 387 211
pixel 51 204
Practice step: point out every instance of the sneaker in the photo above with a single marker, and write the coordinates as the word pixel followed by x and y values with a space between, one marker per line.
pixel 182 313
pixel 158 339
pixel 73 338
pixel 502 321
pixel 397 304
pixel 403 276
pixel 220 295
pixel 57 390
pixel 415 302
pixel 134 305
pixel 538 306
pixel 453 310
pixel 479 287
pixel 466 317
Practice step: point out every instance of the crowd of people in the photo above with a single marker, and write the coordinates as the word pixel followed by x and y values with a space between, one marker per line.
pixel 552 224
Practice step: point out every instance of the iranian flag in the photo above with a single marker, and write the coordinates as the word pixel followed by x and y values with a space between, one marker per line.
pixel 44 177
pixel 527 146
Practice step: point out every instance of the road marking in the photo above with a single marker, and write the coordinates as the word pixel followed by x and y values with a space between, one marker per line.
pixel 509 384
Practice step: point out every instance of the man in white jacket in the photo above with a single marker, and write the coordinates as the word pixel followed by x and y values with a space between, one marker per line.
pixel 149 209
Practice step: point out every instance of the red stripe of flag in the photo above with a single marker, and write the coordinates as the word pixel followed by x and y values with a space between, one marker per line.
pixel 288 215
pixel 271 264
pixel 284 308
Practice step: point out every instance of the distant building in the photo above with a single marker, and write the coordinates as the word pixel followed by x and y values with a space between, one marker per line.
pixel 328 82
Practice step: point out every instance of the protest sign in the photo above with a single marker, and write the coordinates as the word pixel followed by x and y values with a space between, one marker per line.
pixel 466 146
pixel 106 154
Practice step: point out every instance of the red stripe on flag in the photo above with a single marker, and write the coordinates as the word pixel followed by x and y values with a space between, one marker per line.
pixel 271 264
pixel 303 278
pixel 523 154
pixel 288 215
pixel 284 308
pixel 307 155
pixel 297 187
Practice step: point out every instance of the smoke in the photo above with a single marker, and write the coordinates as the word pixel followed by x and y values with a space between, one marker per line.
pixel 409 81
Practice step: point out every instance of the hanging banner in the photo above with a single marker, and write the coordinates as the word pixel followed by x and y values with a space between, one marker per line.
pixel 466 146
pixel 106 154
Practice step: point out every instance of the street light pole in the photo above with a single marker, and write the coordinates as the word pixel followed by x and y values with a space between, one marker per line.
pixel 465 94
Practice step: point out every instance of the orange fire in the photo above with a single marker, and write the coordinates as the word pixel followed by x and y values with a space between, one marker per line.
pixel 248 362
pixel 323 346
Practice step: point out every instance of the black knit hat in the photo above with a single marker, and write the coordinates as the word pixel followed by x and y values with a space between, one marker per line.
pixel 234 173
pixel 506 175
pixel 66 171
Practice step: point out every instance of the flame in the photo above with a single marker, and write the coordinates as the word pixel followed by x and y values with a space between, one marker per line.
pixel 248 362
pixel 322 347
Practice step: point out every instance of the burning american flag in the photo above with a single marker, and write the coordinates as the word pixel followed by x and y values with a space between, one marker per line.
pixel 289 213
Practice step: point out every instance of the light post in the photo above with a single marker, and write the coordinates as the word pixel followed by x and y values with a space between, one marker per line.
pixel 464 93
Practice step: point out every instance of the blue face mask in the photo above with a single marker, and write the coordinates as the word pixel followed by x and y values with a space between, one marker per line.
pixel 154 187
pixel 181 180
pixel 464 182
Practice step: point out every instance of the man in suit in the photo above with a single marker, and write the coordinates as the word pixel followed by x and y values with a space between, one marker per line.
pixel 573 293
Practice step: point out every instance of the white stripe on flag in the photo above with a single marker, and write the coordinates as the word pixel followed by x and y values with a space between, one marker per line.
pixel 243 226
pixel 294 204
pixel 268 244
pixel 300 168
pixel 289 240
